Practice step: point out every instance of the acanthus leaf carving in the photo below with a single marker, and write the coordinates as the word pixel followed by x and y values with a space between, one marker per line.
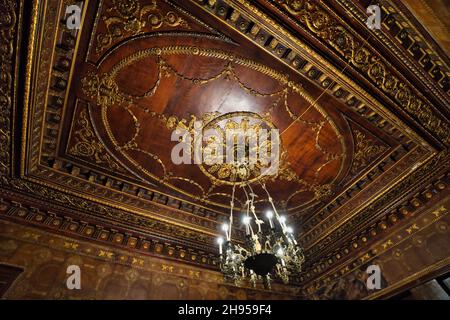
pixel 366 151
pixel 8 22
pixel 130 18
pixel 87 144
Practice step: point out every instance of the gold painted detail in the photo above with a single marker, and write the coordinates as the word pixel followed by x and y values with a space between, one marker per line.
pixel 323 191
pixel 323 25
pixel 103 89
pixel 366 152
pixel 419 46
pixel 293 6
pixel 250 170
pixel 8 22
pixel 407 233
pixel 321 245
pixel 131 17
pixel 87 145
pixel 110 210
pixel 105 92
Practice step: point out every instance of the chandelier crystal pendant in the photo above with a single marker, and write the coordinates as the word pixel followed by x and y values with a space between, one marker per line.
pixel 267 252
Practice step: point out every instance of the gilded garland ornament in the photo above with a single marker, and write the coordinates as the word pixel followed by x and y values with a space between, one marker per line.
pixel 104 90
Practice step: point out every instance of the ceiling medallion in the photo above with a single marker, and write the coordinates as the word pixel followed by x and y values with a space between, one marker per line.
pixel 223 168
pixel 248 155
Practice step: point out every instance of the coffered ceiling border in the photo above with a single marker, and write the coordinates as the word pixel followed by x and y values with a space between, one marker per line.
pixel 383 204
pixel 93 43
pixel 48 116
pixel 253 32
pixel 405 209
pixel 256 26
pixel 417 46
pixel 138 261
pixel 15 207
pixel 334 32
pixel 383 177
pixel 11 37
pixel 102 212
pixel 390 247
pixel 409 21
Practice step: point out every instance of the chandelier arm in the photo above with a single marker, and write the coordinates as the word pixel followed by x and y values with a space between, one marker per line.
pixel 251 230
pixel 252 207
pixel 248 199
pixel 283 226
pixel 231 213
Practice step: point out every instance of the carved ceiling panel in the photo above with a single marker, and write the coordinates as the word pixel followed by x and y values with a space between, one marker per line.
pixel 132 84
pixel 358 130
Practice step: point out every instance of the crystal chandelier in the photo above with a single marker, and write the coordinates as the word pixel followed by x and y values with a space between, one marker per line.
pixel 267 252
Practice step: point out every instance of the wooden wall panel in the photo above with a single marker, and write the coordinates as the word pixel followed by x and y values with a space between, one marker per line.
pixel 108 273
pixel 8 274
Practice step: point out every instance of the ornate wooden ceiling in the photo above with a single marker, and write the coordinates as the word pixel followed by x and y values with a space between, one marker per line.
pixel 87 120
pixel 134 116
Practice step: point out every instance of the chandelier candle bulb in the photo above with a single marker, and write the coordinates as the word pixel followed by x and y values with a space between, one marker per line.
pixel 220 242
pixel 225 228
pixel 231 223
pixel 283 222
pixel 269 216
pixel 246 221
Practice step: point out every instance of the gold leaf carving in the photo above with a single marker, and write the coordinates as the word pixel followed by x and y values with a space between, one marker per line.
pixel 87 145
pixel 324 26
pixel 323 191
pixel 104 90
pixel 101 88
pixel 8 23
pixel 131 18
pixel 366 151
